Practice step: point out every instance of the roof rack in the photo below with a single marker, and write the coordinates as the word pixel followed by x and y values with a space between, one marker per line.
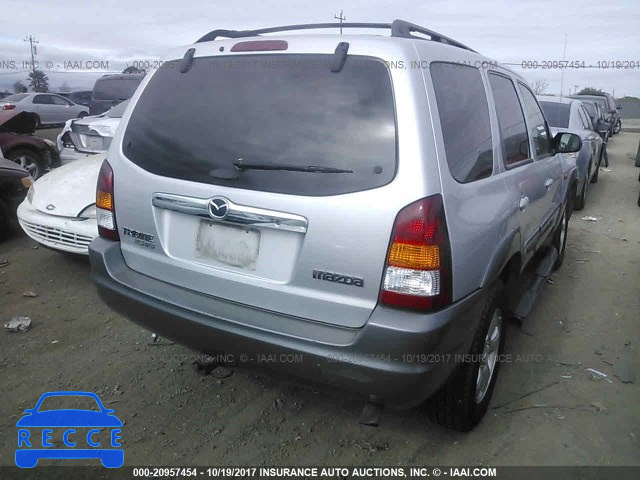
pixel 399 28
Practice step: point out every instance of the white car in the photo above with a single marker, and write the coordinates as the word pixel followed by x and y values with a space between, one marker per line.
pixel 90 135
pixel 51 109
pixel 60 209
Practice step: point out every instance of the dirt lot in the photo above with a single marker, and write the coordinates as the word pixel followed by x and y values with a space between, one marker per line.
pixel 587 318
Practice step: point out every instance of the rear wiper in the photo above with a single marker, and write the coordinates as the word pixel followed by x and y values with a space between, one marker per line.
pixel 240 165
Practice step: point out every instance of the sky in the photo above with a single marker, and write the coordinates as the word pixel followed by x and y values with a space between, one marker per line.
pixel 112 34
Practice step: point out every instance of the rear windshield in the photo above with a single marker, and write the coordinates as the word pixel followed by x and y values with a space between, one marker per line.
pixel 15 98
pixel 115 88
pixel 268 109
pixel 557 113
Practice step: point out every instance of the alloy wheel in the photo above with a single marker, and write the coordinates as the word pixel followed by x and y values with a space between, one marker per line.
pixel 28 164
pixel 489 358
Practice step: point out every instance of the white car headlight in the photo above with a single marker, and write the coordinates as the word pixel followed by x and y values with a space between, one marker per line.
pixel 89 212
pixel 31 193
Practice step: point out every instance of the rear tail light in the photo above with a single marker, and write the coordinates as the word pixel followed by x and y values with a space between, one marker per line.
pixel 105 206
pixel 418 268
pixel 8 107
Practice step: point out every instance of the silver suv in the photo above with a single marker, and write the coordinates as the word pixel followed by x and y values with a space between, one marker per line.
pixel 356 209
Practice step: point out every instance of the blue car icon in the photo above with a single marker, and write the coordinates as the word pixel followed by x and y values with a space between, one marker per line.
pixel 32 446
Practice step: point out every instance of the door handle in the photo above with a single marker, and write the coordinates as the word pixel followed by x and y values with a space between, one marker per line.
pixel 524 201
pixel 548 182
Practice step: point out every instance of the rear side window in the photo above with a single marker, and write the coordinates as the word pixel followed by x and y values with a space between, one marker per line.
pixel 115 88
pixel 591 109
pixel 464 117
pixel 537 125
pixel 42 100
pixel 611 103
pixel 590 123
pixel 586 123
pixel 557 113
pixel 268 109
pixel 513 130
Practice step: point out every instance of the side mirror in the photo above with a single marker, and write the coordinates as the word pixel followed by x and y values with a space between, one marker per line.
pixel 603 127
pixel 565 142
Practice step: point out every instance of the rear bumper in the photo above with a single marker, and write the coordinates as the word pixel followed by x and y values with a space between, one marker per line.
pixel 402 357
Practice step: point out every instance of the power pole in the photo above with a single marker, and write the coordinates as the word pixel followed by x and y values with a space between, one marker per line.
pixel 32 44
pixel 341 18
pixel 564 55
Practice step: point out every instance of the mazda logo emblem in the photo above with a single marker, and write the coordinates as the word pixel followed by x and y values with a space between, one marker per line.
pixel 51 207
pixel 218 208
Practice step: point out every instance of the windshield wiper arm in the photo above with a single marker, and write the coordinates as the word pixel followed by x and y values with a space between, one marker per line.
pixel 291 168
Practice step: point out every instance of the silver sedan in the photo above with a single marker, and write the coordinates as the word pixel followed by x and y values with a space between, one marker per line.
pixel 50 108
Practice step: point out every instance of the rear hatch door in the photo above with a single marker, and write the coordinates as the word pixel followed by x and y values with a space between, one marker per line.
pixel 264 179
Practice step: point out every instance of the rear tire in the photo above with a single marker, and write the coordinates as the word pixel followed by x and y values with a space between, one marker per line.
pixel 463 400
pixel 560 238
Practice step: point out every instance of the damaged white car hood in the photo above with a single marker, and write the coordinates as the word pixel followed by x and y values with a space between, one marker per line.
pixel 68 190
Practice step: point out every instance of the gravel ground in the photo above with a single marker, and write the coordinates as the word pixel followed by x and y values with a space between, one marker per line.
pixel 587 317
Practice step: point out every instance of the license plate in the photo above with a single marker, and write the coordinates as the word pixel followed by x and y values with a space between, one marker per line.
pixel 235 246
pixel 92 142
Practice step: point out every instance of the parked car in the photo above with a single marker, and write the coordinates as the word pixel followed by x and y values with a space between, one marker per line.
pixel 14 181
pixel 602 102
pixel 33 153
pixel 81 97
pixel 89 135
pixel 60 209
pixel 364 217
pixel 570 115
pixel 4 94
pixel 611 109
pixel 51 109
pixel 111 90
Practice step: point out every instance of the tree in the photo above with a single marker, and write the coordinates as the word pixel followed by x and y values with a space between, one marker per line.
pixel 589 91
pixel 539 86
pixel 19 87
pixel 39 81
pixel 132 69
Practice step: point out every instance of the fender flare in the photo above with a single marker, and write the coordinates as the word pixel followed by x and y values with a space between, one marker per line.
pixel 510 245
